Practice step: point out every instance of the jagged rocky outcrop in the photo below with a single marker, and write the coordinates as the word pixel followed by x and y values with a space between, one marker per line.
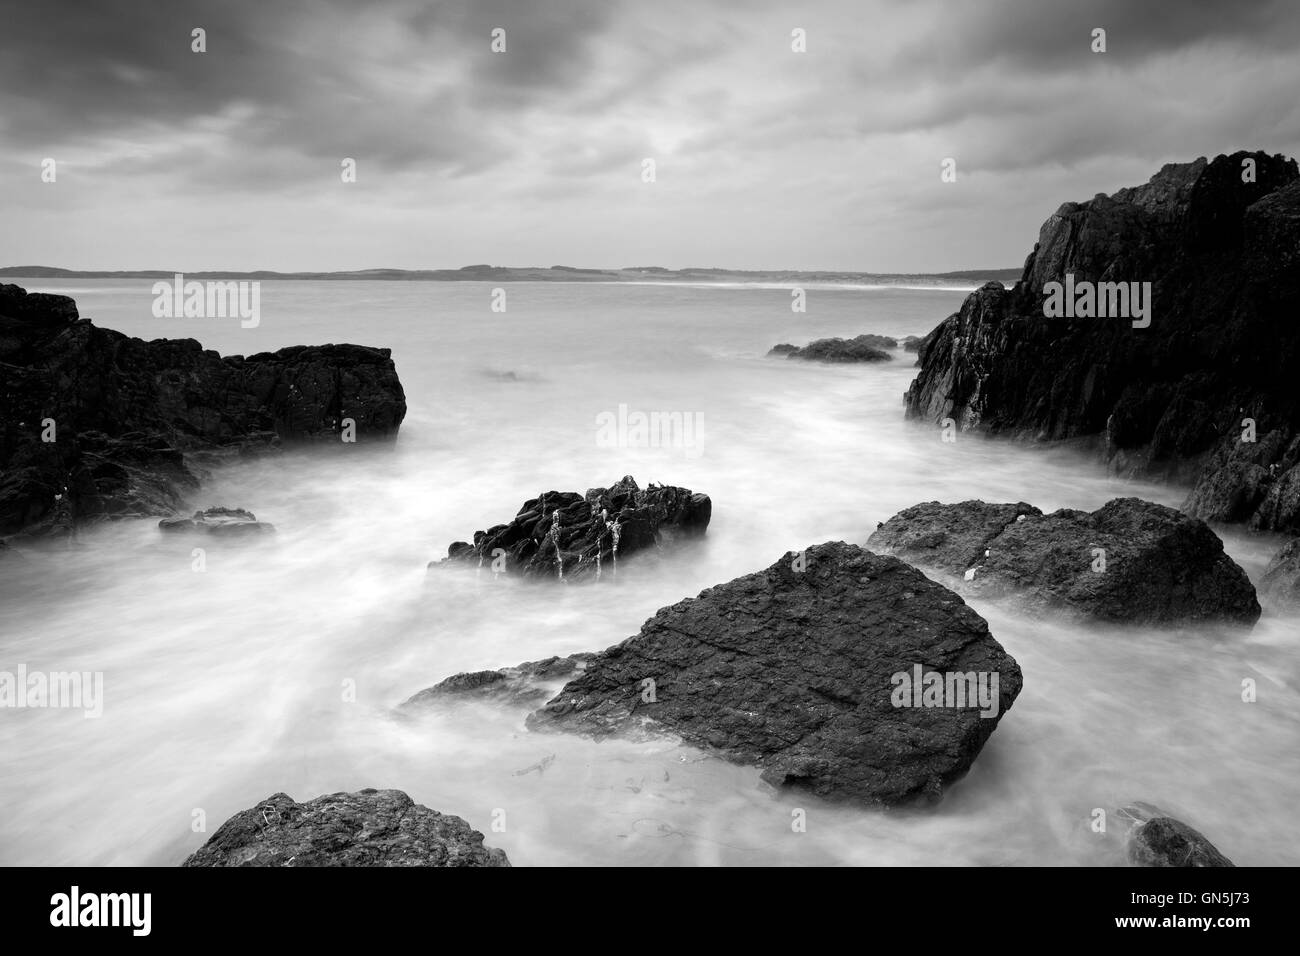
pixel 95 424
pixel 862 348
pixel 1281 581
pixel 799 669
pixel 1156 839
pixel 366 828
pixel 219 521
pixel 570 536
pixel 528 684
pixel 1130 560
pixel 1219 241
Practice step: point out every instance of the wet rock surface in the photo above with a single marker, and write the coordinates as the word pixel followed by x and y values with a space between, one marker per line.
pixel 795 671
pixel 1156 839
pixel 571 536
pixel 1157 565
pixel 366 828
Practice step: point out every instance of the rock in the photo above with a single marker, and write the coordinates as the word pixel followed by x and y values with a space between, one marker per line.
pixel 795 671
pixel 863 348
pixel 1160 565
pixel 366 828
pixel 529 684
pixel 564 534
pixel 219 521
pixel 1281 580
pixel 1172 400
pixel 127 415
pixel 1156 839
pixel 951 537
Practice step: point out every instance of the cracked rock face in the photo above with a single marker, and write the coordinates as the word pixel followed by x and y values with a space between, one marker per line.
pixel 1130 560
pixel 563 534
pixel 793 669
pixel 366 828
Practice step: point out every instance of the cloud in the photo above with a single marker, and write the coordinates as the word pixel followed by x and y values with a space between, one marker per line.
pixel 765 157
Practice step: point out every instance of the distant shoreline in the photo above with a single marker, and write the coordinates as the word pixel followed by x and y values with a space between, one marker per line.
pixel 484 273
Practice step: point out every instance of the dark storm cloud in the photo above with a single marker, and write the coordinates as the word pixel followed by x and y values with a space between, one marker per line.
pixel 1015 84
pixel 299 75
pixel 1055 35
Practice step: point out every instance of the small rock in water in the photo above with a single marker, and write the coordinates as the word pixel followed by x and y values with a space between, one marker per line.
pixel 863 348
pixel 366 828
pixel 222 521
pixel 528 684
pixel 1157 839
pixel 567 536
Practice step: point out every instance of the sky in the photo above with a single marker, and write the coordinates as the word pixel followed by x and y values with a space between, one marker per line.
pixel 764 157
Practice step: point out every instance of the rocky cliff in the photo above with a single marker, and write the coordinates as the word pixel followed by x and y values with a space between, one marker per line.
pixel 1205 393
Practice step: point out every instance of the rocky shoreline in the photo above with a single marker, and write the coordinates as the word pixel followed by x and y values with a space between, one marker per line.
pixel 97 425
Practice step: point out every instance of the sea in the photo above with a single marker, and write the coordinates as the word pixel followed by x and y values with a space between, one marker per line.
pixel 281 664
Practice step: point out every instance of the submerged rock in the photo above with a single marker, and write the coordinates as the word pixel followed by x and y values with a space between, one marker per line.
pixel 1204 393
pixel 531 683
pixel 1157 839
pixel 1130 560
pixel 567 535
pixel 863 348
pixel 95 424
pixel 800 669
pixel 220 521
pixel 1281 580
pixel 366 828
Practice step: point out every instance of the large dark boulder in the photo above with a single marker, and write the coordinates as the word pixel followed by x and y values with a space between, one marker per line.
pixel 1130 560
pixel 802 670
pixel 126 414
pixel 571 536
pixel 1170 400
pixel 1156 839
pixel 862 348
pixel 366 828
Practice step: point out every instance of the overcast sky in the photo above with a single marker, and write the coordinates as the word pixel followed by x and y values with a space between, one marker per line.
pixel 765 158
